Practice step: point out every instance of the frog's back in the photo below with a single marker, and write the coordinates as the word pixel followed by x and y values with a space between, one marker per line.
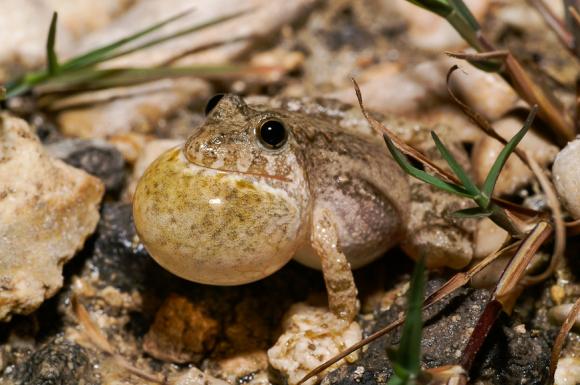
pixel 351 173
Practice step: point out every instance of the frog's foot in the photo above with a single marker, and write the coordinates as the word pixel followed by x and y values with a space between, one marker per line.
pixel 340 285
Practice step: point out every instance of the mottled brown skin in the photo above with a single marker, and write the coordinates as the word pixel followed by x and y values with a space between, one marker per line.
pixel 331 193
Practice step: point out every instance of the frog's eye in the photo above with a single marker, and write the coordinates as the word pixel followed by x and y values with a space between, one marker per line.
pixel 272 134
pixel 212 102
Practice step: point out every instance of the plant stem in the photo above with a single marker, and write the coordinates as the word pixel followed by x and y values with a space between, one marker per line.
pixel 533 94
pixel 500 218
pixel 465 30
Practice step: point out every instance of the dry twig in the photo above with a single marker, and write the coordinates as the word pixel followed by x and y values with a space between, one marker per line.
pixel 99 340
pixel 559 343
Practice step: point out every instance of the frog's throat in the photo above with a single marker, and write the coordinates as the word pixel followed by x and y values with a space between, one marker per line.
pixel 254 174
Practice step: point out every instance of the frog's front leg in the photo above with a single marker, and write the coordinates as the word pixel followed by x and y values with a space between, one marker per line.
pixel 342 292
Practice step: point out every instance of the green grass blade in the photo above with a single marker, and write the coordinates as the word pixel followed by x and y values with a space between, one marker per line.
pixel 176 34
pixel 456 14
pixel 51 58
pixel 93 79
pixel 422 175
pixel 455 166
pixel 79 70
pixel 399 371
pixel 491 179
pixel 396 380
pixel 472 212
pixel 440 7
pixel 409 352
pixel 102 53
pixel 15 89
pixel 460 7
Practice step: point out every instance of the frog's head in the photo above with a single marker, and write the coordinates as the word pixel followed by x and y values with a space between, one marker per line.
pixel 230 206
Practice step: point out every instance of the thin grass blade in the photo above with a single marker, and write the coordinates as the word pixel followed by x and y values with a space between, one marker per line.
pixel 51 58
pixel 396 380
pixel 15 89
pixel 100 54
pixel 455 166
pixel 400 374
pixel 408 356
pixel 422 175
pixel 409 353
pixel 491 179
pixel 440 7
pixel 460 7
pixel 176 34
pixel 93 79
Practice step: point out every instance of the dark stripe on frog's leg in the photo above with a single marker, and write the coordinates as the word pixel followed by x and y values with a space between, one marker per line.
pixel 342 292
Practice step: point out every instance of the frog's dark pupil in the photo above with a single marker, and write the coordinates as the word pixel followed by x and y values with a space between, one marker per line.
pixel 211 103
pixel 273 134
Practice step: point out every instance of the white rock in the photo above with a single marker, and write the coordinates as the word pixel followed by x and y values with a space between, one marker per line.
pixel 311 336
pixel 521 16
pixel 566 174
pixel 487 93
pixel 398 91
pixel 488 238
pixel 47 210
pixel 418 89
pixel 567 371
pixel 130 145
pixel 462 129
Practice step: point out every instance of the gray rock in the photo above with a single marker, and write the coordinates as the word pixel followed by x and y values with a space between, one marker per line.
pixel 57 362
pixel 97 157
pixel 508 357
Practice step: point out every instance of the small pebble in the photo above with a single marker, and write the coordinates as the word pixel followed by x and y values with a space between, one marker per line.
pixel 568 371
pixel 182 331
pixel 566 176
pixel 311 336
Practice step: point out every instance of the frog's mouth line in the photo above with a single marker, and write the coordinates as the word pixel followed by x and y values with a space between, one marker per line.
pixel 254 174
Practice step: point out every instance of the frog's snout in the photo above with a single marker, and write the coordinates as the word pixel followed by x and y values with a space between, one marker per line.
pixel 213 227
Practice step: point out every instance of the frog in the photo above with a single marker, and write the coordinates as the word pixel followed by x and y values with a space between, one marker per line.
pixel 266 180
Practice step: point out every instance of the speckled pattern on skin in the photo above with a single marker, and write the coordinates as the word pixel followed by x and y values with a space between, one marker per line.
pixel 230 223
pixel 224 209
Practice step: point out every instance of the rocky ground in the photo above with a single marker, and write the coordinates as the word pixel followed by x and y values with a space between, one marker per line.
pixel 82 302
